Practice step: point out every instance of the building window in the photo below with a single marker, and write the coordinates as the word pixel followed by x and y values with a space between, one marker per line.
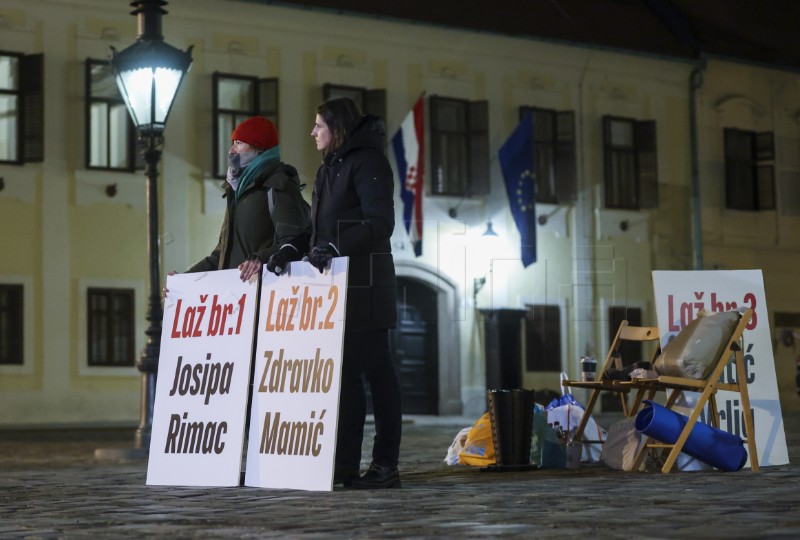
pixel 459 134
pixel 631 168
pixel 11 325
pixel 554 154
pixel 110 327
pixel 749 170
pixel 110 133
pixel 543 338
pixel 236 98
pixel 630 351
pixel 369 101
pixel 21 108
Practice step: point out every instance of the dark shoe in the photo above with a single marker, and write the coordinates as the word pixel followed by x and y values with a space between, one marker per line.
pixel 378 477
pixel 344 476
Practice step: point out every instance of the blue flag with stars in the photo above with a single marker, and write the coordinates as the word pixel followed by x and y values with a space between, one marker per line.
pixel 517 163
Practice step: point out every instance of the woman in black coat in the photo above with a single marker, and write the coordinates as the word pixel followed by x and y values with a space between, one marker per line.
pixel 352 215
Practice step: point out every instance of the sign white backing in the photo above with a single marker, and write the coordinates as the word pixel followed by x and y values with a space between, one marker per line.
pixel 296 378
pixel 203 378
pixel 680 296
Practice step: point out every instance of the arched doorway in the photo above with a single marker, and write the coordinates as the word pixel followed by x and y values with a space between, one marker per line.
pixel 435 302
pixel 443 298
pixel 415 344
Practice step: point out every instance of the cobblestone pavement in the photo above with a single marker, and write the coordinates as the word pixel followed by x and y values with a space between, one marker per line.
pixel 51 487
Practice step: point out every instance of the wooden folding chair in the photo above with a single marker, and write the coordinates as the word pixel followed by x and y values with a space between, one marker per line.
pixel 707 388
pixel 613 360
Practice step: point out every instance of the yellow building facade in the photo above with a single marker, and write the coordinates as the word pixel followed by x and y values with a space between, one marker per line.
pixel 64 233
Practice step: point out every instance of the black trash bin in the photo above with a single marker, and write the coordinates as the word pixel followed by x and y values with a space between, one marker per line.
pixel 511 412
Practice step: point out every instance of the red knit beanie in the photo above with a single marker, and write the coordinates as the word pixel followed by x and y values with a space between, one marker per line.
pixel 256 131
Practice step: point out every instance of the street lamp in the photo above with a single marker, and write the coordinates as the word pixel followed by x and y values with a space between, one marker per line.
pixel 149 74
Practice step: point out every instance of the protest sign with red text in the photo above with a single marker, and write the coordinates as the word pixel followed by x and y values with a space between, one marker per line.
pixel 203 378
pixel 680 297
pixel 296 378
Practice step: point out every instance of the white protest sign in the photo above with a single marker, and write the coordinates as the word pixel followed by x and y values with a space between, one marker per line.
pixel 296 378
pixel 203 378
pixel 680 296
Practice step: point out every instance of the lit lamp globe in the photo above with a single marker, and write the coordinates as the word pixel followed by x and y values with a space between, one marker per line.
pixel 149 72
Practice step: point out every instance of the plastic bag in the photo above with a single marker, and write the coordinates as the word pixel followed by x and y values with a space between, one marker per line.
pixel 624 442
pixel 456 447
pixel 568 413
pixel 537 433
pixel 554 454
pixel 622 445
pixel 479 448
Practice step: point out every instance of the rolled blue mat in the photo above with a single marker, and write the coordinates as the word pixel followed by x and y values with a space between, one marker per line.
pixel 710 445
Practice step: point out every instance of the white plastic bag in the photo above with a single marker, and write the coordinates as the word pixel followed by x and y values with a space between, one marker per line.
pixel 456 447
pixel 568 413
pixel 624 442
pixel 622 445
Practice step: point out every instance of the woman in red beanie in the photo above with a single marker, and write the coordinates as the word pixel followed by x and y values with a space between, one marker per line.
pixel 352 213
pixel 264 206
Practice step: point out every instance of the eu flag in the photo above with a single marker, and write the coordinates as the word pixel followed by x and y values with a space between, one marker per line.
pixel 517 163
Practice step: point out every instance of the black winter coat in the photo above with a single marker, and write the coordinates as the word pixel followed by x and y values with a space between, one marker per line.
pixel 352 208
pixel 269 213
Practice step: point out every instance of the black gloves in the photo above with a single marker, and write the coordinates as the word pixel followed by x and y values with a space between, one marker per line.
pixel 279 261
pixel 319 257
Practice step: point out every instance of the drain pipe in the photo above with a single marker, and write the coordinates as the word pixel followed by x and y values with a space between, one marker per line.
pixel 695 83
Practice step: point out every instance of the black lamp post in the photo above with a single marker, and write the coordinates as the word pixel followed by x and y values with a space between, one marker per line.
pixel 149 74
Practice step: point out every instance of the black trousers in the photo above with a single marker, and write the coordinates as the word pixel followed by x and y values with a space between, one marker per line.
pixel 367 353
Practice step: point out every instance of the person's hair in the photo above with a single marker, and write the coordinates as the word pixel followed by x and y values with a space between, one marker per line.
pixel 342 116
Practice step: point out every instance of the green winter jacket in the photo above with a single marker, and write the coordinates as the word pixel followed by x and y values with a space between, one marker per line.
pixel 267 214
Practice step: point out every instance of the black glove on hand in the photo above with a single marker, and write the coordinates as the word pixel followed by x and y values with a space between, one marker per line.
pixel 279 261
pixel 319 257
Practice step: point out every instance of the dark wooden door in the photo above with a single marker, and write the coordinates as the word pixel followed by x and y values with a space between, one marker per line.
pixel 414 344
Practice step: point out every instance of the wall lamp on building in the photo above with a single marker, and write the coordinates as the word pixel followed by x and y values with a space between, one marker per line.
pixel 542 219
pixel 627 224
pixel 149 74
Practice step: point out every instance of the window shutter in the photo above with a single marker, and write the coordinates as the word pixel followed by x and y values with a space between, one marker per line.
pixel 765 187
pixel 87 104
pixel 765 172
pixel 32 93
pixel 564 161
pixel 268 99
pixel 327 90
pixel 478 147
pixel 647 163
pixel 608 169
pixel 12 317
pixel 765 146
pixel 216 163
pixel 375 103
pixel 739 194
pixel 437 184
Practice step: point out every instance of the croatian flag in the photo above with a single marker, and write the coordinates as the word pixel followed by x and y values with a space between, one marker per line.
pixel 409 145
